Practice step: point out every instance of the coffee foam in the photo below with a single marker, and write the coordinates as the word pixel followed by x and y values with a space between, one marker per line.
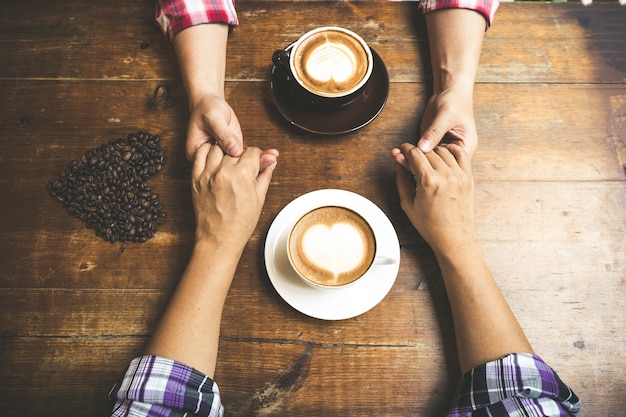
pixel 337 248
pixel 331 63
pixel 332 246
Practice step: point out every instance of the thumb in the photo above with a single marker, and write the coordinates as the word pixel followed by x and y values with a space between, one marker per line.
pixel 433 134
pixel 230 143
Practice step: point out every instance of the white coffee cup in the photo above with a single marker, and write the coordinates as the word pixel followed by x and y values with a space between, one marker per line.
pixel 333 247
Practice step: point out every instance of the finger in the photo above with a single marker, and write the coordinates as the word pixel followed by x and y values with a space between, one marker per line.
pixel 192 147
pixel 230 143
pixel 214 159
pixel 446 156
pixel 250 160
pixel 406 189
pixel 398 156
pixel 199 160
pixel 267 158
pixel 435 160
pixel 195 138
pixel 461 155
pixel 264 179
pixel 417 161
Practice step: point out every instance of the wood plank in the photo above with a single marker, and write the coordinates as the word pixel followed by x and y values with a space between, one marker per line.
pixel 539 135
pixel 84 45
pixel 556 39
pixel 70 40
pixel 529 248
pixel 53 376
pixel 283 379
pixel 115 313
pixel 587 214
pixel 360 382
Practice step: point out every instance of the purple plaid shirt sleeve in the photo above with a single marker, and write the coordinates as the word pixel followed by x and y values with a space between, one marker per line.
pixel 516 385
pixel 174 16
pixel 485 7
pixel 154 386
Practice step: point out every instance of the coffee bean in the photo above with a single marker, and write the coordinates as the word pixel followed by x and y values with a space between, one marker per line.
pixel 105 188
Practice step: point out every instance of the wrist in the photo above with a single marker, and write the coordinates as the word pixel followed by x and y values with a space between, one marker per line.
pixel 455 37
pixel 447 79
pixel 224 246
pixel 199 95
pixel 218 257
pixel 457 253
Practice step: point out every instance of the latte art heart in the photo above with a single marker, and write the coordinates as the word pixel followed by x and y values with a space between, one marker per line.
pixel 331 246
pixel 331 62
pixel 335 249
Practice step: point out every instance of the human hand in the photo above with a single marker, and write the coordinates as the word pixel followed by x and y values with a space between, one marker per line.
pixel 449 117
pixel 436 193
pixel 213 120
pixel 228 193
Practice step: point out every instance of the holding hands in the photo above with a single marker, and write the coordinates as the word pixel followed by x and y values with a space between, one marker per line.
pixel 436 192
pixel 455 37
pixel 228 193
pixel 449 118
pixel 212 119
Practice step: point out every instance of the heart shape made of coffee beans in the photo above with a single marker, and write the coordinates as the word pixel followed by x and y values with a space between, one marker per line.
pixel 336 249
pixel 106 188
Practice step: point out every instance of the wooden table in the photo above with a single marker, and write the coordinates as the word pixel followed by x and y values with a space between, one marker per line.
pixel 550 201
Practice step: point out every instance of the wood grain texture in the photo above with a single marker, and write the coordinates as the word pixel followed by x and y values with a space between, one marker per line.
pixel 550 177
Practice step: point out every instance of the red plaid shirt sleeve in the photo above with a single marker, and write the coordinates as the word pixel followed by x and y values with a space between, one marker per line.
pixel 174 16
pixel 485 7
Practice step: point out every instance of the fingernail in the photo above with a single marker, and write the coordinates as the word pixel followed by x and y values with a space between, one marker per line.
pixel 234 150
pixel 270 167
pixel 425 145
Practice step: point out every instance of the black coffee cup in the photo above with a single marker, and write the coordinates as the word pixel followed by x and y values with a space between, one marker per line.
pixel 327 67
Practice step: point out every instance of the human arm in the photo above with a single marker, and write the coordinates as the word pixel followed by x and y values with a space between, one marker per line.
pixel 436 193
pixel 228 195
pixel 199 36
pixel 176 371
pixel 501 374
pixel 211 118
pixel 455 39
pixel 455 35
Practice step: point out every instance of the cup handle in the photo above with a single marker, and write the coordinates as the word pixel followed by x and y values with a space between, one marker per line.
pixel 384 260
pixel 280 58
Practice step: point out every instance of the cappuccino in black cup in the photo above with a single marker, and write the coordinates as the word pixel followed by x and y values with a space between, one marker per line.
pixel 329 66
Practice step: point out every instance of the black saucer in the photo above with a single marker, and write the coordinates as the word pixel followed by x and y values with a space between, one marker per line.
pixel 349 118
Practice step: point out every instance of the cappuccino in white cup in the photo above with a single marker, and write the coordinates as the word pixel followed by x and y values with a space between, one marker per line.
pixel 331 247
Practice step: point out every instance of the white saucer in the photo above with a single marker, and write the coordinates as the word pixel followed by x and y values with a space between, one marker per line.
pixel 334 303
